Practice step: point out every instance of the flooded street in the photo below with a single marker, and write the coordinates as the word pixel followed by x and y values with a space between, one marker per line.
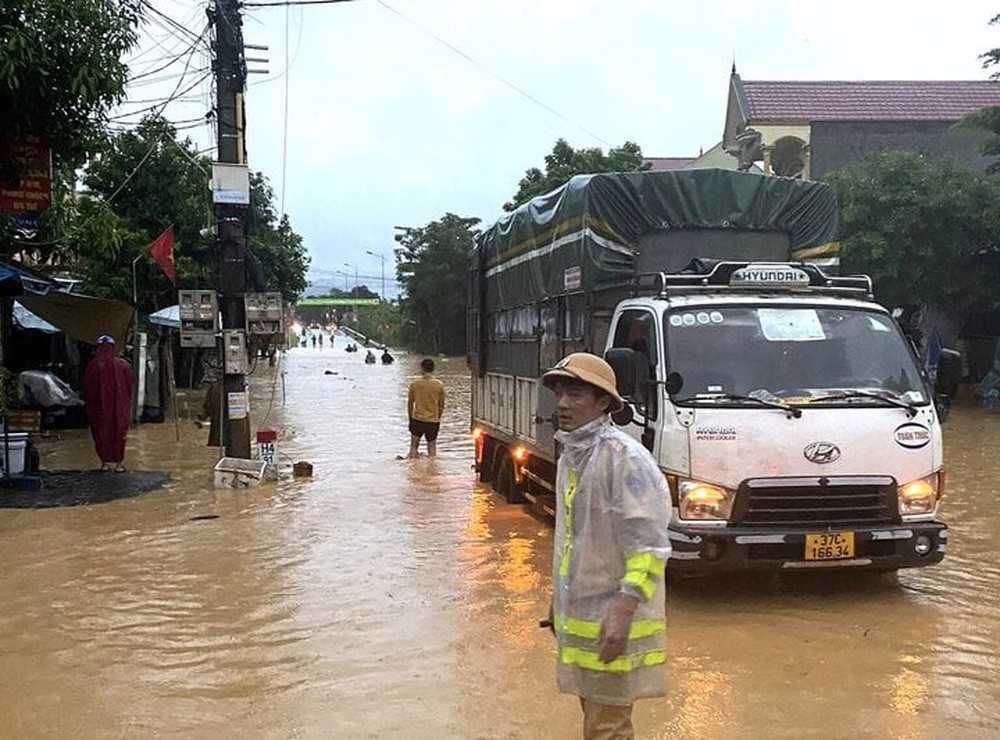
pixel 400 599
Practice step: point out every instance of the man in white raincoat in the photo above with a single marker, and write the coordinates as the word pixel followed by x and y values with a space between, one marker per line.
pixel 611 548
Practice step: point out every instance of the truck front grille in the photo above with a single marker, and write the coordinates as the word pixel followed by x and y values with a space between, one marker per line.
pixel 811 502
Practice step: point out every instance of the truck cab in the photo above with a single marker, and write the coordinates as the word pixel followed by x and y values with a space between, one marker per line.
pixel 790 416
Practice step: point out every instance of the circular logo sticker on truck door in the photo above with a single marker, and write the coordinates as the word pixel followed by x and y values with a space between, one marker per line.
pixel 912 435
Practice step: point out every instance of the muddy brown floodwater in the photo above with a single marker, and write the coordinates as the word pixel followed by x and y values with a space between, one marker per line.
pixel 400 599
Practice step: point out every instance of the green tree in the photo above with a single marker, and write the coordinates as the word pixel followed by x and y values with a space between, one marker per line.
pixel 914 227
pixel 139 183
pixel 362 291
pixel 381 323
pixel 145 180
pixel 61 70
pixel 989 118
pixel 564 162
pixel 431 267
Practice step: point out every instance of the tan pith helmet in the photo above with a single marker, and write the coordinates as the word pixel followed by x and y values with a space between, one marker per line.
pixel 589 369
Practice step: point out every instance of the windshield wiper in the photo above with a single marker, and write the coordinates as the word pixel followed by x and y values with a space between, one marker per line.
pixel 911 409
pixel 792 411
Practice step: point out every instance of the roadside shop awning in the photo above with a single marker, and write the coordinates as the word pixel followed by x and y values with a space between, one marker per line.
pixel 169 316
pixel 83 317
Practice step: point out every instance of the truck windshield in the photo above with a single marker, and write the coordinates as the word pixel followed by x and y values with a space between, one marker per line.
pixel 792 353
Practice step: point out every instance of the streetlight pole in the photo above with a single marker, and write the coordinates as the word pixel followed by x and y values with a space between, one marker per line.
pixel 382 259
pixel 355 266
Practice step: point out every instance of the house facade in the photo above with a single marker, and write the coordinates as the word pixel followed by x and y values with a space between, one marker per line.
pixel 807 129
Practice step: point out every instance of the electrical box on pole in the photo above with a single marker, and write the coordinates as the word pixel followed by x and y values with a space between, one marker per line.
pixel 234 359
pixel 199 316
pixel 265 317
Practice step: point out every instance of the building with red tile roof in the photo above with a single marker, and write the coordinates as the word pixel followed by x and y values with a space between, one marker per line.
pixel 805 129
pixel 875 100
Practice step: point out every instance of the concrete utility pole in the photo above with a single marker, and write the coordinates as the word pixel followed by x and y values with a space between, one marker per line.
pixel 230 82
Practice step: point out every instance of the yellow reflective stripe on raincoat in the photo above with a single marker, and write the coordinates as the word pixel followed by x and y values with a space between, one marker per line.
pixel 592 630
pixel 571 484
pixel 590 660
pixel 642 570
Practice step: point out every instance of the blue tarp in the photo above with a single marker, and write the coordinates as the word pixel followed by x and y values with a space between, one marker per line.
pixel 15 281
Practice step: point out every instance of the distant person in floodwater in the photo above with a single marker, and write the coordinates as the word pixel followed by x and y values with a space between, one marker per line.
pixel 387 359
pixel 424 406
pixel 370 358
pixel 107 393
pixel 314 340
pixel 321 341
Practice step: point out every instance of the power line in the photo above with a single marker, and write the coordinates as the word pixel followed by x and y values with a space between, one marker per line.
pixel 288 64
pixel 172 60
pixel 284 3
pixel 173 96
pixel 158 44
pixel 104 202
pixel 146 101
pixel 188 55
pixel 170 21
pixel 492 74
pixel 178 124
pixel 284 122
pixel 148 81
pixel 541 104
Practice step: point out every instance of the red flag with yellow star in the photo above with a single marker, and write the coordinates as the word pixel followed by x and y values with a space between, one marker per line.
pixel 162 250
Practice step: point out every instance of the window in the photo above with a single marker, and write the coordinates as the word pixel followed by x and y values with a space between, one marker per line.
pixel 790 352
pixel 636 331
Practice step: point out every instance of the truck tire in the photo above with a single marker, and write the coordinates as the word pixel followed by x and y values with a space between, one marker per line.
pixel 505 484
pixel 486 467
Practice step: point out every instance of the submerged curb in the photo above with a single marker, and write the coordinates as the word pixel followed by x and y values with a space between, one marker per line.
pixel 51 488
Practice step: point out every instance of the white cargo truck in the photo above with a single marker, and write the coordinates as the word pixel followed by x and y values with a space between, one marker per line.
pixel 789 414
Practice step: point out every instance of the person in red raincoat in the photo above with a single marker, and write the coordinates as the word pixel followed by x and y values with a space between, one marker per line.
pixel 107 393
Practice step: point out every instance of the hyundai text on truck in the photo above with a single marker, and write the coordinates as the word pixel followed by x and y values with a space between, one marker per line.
pixel 789 414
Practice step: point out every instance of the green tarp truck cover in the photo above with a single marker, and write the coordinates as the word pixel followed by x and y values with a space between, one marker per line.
pixel 591 231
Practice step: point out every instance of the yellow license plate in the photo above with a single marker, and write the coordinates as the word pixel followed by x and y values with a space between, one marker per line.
pixel 830 546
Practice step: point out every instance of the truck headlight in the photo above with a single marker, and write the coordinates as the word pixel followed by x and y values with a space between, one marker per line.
pixel 703 501
pixel 919 496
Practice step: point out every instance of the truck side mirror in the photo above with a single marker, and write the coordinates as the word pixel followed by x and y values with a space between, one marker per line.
pixel 674 383
pixel 949 371
pixel 949 375
pixel 624 417
pixel 626 363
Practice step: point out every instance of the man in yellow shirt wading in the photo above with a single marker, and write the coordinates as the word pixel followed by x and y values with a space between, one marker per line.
pixel 424 405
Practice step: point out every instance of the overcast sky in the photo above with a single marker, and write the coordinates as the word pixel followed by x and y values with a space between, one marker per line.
pixel 399 111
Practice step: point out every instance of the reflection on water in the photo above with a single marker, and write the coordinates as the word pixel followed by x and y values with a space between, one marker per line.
pixel 704 708
pixel 385 598
pixel 909 691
